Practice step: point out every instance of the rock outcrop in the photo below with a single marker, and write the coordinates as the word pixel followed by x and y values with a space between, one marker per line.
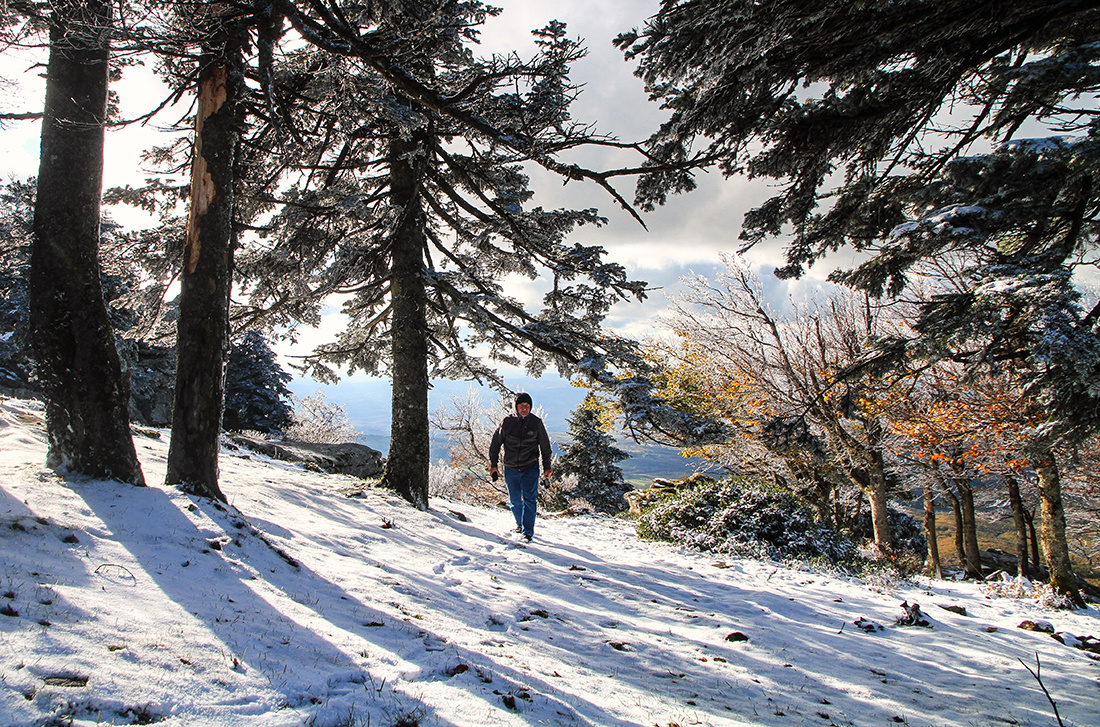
pixel 641 499
pixel 348 458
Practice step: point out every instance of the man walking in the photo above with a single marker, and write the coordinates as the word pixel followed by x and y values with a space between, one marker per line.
pixel 524 438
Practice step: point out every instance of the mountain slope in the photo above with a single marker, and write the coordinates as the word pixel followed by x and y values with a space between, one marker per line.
pixel 313 601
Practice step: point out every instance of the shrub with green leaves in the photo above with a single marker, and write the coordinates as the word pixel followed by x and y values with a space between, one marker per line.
pixel 742 517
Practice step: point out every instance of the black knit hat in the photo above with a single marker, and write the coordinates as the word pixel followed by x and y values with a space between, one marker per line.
pixel 523 398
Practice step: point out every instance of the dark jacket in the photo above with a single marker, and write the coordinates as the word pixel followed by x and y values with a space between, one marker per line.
pixel 523 439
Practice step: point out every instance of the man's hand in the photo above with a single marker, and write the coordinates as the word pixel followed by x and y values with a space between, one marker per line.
pixel 547 474
pixel 494 474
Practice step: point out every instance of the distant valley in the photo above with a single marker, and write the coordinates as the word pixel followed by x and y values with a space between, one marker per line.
pixel 367 405
pixel 646 462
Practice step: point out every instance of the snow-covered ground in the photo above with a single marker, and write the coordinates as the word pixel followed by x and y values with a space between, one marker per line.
pixel 304 603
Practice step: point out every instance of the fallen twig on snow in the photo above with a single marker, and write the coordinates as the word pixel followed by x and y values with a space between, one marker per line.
pixel 1036 673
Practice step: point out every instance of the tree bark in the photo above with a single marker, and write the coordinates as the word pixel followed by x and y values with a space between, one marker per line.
pixel 956 509
pixel 87 394
pixel 871 479
pixel 409 460
pixel 1016 502
pixel 932 567
pixel 876 493
pixel 207 275
pixel 1029 516
pixel 972 559
pixel 1053 530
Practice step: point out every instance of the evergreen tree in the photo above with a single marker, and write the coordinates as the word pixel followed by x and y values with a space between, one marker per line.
pixel 206 276
pixel 79 368
pixel 592 458
pixel 16 210
pixel 420 211
pixel 127 260
pixel 395 71
pixel 86 393
pixel 909 118
pixel 256 395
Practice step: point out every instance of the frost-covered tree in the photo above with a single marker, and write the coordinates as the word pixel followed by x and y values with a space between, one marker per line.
pixel 807 414
pixel 421 213
pixel 85 390
pixel 378 158
pixel 907 130
pixel 468 423
pixel 16 209
pixel 80 373
pixel 317 420
pixel 764 437
pixel 128 260
pixel 592 458
pixel 206 275
pixel 256 395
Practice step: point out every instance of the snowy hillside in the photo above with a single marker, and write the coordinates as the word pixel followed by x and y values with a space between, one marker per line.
pixel 311 602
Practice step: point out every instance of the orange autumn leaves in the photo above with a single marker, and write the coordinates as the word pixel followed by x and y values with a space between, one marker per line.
pixel 948 416
pixel 941 415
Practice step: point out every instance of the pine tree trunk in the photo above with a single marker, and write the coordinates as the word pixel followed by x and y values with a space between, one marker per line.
pixel 1053 530
pixel 932 567
pixel 1017 504
pixel 206 278
pixel 409 458
pixel 86 392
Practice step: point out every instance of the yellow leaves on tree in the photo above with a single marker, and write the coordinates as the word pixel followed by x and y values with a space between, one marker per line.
pixel 962 420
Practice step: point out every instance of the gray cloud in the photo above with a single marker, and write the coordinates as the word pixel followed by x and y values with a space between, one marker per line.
pixel 690 231
pixel 684 237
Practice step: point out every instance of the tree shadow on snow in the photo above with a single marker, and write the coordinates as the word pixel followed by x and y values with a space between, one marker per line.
pixel 247 587
pixel 675 630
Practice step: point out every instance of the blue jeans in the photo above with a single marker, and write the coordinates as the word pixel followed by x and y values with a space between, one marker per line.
pixel 523 490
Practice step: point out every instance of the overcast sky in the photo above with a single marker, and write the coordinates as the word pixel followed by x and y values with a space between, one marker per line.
pixel 690 231
pixel 687 235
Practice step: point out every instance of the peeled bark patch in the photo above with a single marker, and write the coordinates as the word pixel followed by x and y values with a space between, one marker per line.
pixel 212 95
